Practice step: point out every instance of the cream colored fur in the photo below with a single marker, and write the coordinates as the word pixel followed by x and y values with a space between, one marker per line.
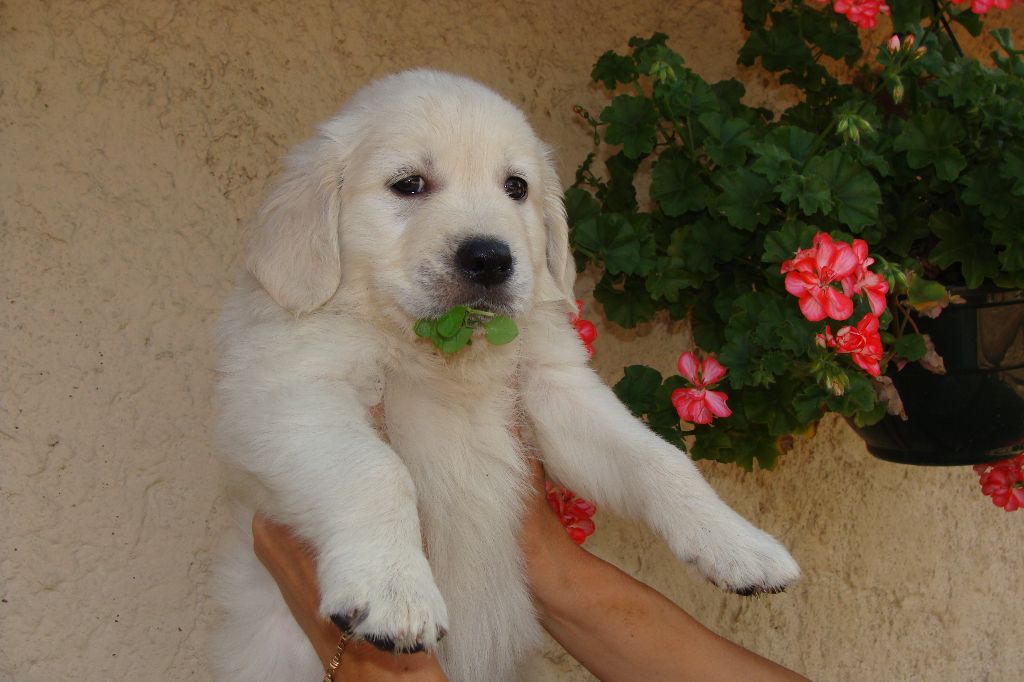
pixel 417 534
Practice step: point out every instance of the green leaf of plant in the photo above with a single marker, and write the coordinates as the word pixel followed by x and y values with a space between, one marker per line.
pixel 1012 169
pixel 580 205
pixel 911 347
pixel 424 328
pixel 781 245
pixel 924 292
pixel 745 198
pixel 1009 234
pixel 500 330
pixel 448 325
pixel 669 277
pixel 637 389
pixel 964 244
pixel 612 68
pixel 632 123
pixel 627 305
pixel 854 190
pixel 811 193
pixel 989 192
pixel 930 139
pixel 677 186
pixel 728 138
pixel 622 241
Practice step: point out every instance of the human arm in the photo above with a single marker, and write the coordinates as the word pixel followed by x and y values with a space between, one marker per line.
pixel 617 627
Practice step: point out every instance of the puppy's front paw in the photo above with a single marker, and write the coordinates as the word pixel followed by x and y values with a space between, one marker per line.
pixel 747 561
pixel 397 608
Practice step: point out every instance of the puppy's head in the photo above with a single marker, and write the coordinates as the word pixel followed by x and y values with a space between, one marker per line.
pixel 431 189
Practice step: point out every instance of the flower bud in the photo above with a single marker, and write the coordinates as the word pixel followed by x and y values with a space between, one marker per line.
pixel 854 134
pixel 908 42
pixel 844 123
pixel 893 45
pixel 897 93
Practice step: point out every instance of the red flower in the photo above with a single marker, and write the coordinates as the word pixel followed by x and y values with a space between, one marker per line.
pixel 983 6
pixel 574 512
pixel 811 273
pixel 863 281
pixel 862 342
pixel 864 13
pixel 1003 481
pixel 585 329
pixel 698 405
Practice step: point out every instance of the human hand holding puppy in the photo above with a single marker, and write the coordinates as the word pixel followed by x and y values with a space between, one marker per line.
pixel 617 627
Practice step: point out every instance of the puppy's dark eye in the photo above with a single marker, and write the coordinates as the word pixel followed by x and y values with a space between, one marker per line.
pixel 515 187
pixel 414 184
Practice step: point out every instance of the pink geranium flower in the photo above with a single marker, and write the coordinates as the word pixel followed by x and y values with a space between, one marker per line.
pixel 574 512
pixel 585 329
pixel 863 343
pixel 863 281
pixel 699 404
pixel 1003 481
pixel 983 6
pixel 810 276
pixel 864 13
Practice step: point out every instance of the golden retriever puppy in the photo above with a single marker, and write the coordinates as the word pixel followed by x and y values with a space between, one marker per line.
pixel 426 191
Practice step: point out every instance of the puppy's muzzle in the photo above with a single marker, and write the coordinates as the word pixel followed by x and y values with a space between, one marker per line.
pixel 486 262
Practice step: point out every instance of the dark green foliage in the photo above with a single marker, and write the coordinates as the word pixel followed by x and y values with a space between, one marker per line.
pixel 934 183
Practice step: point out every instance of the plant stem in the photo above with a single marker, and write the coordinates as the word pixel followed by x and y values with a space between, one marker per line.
pixel 940 14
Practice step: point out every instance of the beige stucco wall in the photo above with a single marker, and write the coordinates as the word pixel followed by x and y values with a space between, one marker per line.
pixel 137 137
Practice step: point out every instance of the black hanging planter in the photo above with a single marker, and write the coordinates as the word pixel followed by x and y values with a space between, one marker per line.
pixel 975 412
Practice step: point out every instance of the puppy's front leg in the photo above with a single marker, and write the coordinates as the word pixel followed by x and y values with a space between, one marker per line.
pixel 593 444
pixel 309 440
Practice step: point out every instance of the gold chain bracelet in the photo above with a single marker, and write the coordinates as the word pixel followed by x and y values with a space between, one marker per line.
pixel 336 661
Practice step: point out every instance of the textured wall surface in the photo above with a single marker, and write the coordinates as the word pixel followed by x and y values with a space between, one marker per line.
pixel 137 138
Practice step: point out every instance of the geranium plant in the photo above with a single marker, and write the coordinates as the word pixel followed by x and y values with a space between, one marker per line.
pixel 801 246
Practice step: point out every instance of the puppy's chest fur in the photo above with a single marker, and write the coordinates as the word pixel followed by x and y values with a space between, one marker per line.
pixel 451 421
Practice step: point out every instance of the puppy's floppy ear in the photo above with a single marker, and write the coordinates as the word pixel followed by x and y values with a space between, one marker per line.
pixel 294 251
pixel 561 265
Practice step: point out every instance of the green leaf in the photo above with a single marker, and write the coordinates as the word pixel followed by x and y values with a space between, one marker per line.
pixel 745 198
pixel 989 192
pixel 810 191
pixel 580 205
pixel 911 347
pixel 924 293
pixel 809 404
pixel 612 68
pixel 457 342
pixel 449 324
pixel 728 138
pixel 964 244
pixel 632 123
pixel 854 190
pixel 1009 234
pixel 637 389
pixel 669 277
pixel 622 241
pixel 704 243
pixel 626 305
pixel 619 194
pixel 782 152
pixel 930 139
pixel 755 13
pixel 500 330
pixel 1012 169
pixel 424 328
pixel 781 245
pixel 677 186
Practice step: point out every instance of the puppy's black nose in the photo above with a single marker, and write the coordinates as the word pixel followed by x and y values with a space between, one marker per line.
pixel 487 262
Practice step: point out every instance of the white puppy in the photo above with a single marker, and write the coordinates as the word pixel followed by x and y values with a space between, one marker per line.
pixel 426 191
